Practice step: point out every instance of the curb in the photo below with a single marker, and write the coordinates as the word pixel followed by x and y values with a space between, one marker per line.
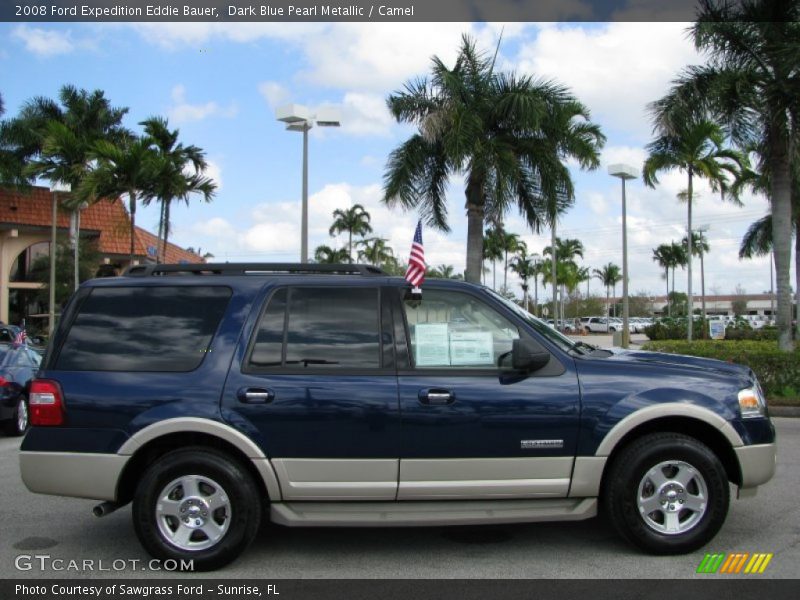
pixel 784 411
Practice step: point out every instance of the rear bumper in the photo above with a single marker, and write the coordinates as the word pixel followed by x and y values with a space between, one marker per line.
pixel 76 474
pixel 757 463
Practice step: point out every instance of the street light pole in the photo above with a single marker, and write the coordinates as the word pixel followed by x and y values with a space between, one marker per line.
pixel 299 118
pixel 58 187
pixel 76 241
pixel 624 172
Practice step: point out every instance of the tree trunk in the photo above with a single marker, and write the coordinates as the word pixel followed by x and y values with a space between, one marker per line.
pixel 474 232
pixel 608 306
pixel 494 275
pixel 166 230
pixel 350 245
pixel 780 198
pixel 669 306
pixel 505 268
pixel 689 303
pixel 132 208
pixel 553 270
pixel 703 293
pixel 536 295
pixel 614 288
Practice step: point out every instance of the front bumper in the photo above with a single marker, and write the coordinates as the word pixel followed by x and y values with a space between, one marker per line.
pixel 757 463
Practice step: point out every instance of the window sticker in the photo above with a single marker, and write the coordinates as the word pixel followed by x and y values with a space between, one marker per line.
pixel 432 345
pixel 469 348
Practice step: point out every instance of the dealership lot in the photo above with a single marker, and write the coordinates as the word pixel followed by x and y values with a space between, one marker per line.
pixel 63 530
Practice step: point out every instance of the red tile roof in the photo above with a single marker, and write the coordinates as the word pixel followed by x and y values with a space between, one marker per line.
pixel 109 218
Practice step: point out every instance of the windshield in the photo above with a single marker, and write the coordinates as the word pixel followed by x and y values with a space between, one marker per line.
pixel 541 327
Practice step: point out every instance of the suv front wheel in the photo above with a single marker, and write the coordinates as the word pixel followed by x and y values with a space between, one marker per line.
pixel 667 493
pixel 196 505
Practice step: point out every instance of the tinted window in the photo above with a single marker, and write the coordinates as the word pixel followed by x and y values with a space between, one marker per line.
pixel 143 329
pixel 325 328
pixel 267 351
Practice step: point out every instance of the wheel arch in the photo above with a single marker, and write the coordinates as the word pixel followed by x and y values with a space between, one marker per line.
pixel 703 431
pixel 154 441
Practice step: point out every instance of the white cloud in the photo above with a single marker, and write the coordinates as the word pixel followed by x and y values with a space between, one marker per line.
pixel 214 171
pixel 182 111
pixel 615 69
pixel 45 42
pixel 274 93
pixel 366 114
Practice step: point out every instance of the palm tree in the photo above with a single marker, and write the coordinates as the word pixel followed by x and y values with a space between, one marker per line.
pixel 327 255
pixel 375 251
pixel 750 84
pixel 493 250
pixel 610 275
pixel 353 220
pixel 127 167
pixel 700 248
pixel 697 149
pixel 563 256
pixel 510 242
pixel 178 173
pixel 525 267
pixel 663 256
pixel 508 134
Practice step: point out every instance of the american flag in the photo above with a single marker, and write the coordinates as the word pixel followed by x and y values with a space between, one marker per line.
pixel 21 338
pixel 416 262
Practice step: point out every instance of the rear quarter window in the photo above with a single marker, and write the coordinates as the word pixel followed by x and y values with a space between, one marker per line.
pixel 166 328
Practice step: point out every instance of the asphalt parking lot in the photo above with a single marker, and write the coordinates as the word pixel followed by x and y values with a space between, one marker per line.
pixel 62 528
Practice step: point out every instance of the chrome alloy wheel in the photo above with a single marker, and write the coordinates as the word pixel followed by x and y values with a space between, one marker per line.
pixel 193 512
pixel 22 416
pixel 672 497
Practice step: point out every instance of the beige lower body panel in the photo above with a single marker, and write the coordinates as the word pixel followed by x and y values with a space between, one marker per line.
pixel 75 474
pixel 336 479
pixel 484 478
pixel 757 463
pixel 396 514
pixel 586 476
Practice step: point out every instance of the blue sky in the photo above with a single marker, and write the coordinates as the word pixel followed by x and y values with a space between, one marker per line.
pixel 219 84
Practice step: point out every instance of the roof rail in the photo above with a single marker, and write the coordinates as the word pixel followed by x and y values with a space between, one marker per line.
pixel 250 269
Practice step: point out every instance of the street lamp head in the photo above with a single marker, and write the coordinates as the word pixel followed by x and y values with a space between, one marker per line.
pixel 292 113
pixel 328 117
pixel 623 171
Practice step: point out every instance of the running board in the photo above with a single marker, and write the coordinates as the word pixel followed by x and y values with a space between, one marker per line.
pixel 417 513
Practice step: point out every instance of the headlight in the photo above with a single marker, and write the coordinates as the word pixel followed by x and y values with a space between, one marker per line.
pixel 751 402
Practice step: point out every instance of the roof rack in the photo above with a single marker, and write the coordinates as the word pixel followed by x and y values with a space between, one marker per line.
pixel 250 269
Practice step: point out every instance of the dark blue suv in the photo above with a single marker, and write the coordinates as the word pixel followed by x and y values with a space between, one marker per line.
pixel 211 396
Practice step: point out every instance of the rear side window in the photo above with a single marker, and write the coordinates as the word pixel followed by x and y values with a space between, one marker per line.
pixel 319 328
pixel 143 329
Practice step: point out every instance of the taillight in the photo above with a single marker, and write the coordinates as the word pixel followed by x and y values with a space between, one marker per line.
pixel 46 403
pixel 3 381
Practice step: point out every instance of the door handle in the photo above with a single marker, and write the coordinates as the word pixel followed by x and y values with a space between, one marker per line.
pixel 255 395
pixel 436 397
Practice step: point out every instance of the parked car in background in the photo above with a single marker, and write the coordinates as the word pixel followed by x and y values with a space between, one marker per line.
pixel 597 325
pixel 18 366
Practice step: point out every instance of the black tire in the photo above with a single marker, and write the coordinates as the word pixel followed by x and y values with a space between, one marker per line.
pixel 239 489
pixel 620 495
pixel 13 426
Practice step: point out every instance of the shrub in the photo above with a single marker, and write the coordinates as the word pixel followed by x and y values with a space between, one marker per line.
pixel 778 372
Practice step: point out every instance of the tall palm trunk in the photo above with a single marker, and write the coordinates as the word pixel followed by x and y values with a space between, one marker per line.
pixel 536 295
pixel 505 269
pixel 669 305
pixel 614 289
pixel 703 292
pixel 689 303
pixel 781 235
pixel 475 216
pixel 608 306
pixel 553 270
pixel 350 244
pixel 132 208
pixel 797 270
pixel 166 230
pixel 494 274
pixel 160 231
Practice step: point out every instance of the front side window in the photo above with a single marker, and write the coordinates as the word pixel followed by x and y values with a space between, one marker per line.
pixel 455 330
pixel 319 328
pixel 166 329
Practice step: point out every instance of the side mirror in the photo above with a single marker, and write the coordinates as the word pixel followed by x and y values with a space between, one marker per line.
pixel 528 355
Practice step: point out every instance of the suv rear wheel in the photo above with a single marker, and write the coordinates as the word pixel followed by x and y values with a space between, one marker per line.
pixel 18 425
pixel 667 493
pixel 198 505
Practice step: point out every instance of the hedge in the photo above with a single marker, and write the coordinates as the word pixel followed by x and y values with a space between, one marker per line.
pixel 778 372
